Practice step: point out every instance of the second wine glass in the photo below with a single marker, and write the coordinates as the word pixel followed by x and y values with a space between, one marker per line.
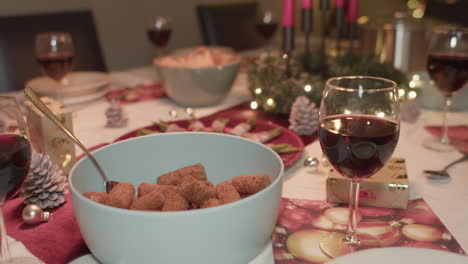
pixel 55 53
pixel 447 65
pixel 159 32
pixel 266 26
pixel 359 126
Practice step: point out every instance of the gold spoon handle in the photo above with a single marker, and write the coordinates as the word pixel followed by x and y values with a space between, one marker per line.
pixel 32 96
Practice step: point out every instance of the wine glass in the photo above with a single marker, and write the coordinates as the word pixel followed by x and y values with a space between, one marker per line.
pixel 447 65
pixel 159 33
pixel 359 127
pixel 54 53
pixel 15 156
pixel 266 26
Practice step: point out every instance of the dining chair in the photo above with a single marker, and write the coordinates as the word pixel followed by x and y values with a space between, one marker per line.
pixel 17 40
pixel 229 24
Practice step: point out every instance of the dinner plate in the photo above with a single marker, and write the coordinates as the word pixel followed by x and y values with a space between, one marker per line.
pixel 401 255
pixel 76 100
pixel 287 136
pixel 265 257
pixel 77 84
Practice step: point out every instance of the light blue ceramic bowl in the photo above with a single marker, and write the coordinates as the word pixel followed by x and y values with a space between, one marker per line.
pixel 198 86
pixel 232 233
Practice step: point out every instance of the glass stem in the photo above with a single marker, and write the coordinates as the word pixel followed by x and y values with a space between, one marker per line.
pixel 351 237
pixel 445 139
pixel 4 242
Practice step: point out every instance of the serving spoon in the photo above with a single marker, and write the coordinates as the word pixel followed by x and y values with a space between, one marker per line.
pixel 443 173
pixel 34 98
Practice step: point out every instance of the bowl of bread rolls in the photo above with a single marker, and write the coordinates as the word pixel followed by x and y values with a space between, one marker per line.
pixel 199 76
pixel 182 197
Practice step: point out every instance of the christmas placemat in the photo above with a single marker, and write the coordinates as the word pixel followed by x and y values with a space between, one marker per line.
pixel 138 93
pixel 302 223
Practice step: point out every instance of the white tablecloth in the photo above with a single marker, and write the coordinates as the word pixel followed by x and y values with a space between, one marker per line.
pixel 447 198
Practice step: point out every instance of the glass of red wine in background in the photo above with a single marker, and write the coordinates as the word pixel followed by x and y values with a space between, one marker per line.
pixel 15 156
pixel 447 65
pixel 54 53
pixel 159 33
pixel 266 27
pixel 359 127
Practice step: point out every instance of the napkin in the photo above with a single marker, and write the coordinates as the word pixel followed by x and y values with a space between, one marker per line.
pixel 56 241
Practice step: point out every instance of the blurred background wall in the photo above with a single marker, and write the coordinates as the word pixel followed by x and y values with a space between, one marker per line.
pixel 121 24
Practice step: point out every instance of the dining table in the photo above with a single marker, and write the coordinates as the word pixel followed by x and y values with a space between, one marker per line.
pixel 446 197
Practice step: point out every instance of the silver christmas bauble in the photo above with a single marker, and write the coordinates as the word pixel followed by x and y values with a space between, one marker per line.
pixel 173 113
pixel 311 162
pixel 33 214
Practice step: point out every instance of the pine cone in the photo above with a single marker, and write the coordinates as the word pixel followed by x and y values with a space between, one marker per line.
pixel 303 118
pixel 115 116
pixel 45 183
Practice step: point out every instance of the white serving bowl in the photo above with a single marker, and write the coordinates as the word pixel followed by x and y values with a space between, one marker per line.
pixel 203 86
pixel 232 233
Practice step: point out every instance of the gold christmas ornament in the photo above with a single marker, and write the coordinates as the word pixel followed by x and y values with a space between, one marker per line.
pixel 33 214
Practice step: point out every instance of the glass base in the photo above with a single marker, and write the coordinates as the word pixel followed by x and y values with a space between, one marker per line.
pixel 436 145
pixel 335 245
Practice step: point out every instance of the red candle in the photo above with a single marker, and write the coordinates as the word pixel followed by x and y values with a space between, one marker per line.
pixel 339 3
pixel 353 11
pixel 288 13
pixel 306 4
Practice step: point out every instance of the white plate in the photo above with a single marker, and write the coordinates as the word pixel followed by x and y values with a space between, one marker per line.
pixel 265 257
pixel 76 84
pixel 77 100
pixel 401 255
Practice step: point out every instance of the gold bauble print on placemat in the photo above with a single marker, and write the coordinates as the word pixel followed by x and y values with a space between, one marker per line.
pixel 304 245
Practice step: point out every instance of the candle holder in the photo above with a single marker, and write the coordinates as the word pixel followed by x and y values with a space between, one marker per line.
pixel 276 80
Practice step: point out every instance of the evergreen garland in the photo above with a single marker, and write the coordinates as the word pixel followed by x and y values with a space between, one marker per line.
pixel 275 93
pixel 354 64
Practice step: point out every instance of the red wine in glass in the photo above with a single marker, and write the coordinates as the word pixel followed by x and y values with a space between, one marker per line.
pixel 266 30
pixel 159 37
pixel 356 145
pixel 15 156
pixel 449 71
pixel 56 65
